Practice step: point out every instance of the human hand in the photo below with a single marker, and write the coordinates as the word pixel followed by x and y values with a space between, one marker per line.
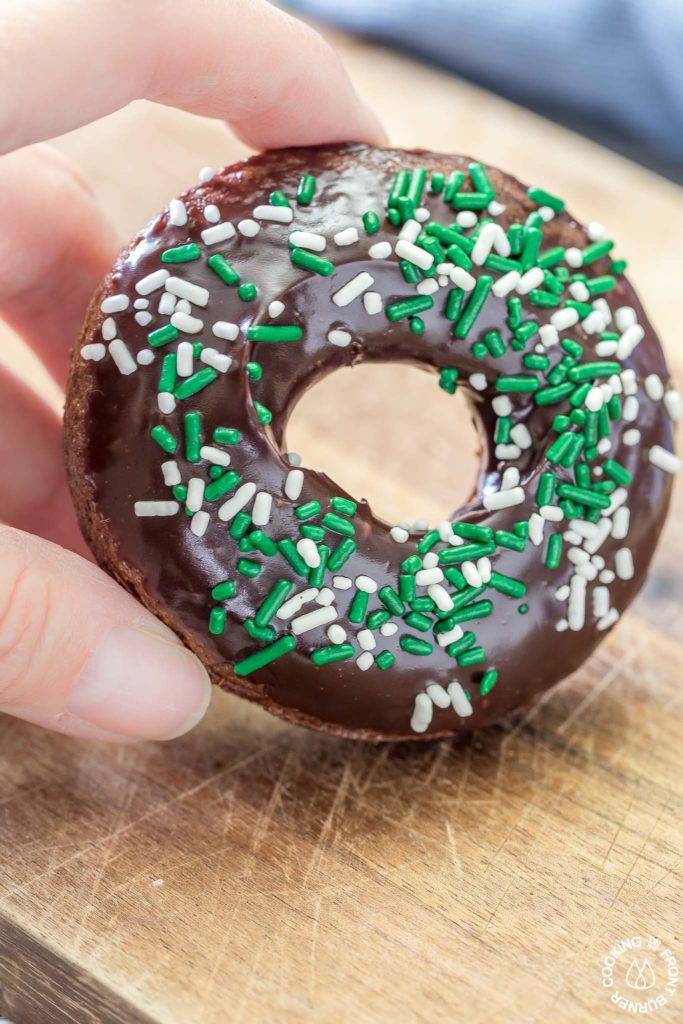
pixel 77 653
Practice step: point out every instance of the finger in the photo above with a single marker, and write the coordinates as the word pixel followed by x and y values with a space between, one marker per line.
pixel 36 496
pixel 272 77
pixel 81 656
pixel 55 246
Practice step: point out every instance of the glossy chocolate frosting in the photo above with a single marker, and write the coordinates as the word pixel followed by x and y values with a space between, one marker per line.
pixel 113 462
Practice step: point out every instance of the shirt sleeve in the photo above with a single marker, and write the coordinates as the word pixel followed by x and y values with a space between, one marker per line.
pixel 619 62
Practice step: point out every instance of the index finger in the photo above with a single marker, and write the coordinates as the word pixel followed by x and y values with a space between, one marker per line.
pixel 273 78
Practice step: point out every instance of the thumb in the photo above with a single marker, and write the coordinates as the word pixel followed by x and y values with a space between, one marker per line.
pixel 79 655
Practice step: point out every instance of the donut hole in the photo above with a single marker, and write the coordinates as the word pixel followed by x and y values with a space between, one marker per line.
pixel 390 434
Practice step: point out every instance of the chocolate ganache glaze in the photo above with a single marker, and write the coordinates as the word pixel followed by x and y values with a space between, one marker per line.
pixel 278 271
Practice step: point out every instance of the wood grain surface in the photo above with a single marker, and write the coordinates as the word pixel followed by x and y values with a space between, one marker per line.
pixel 255 872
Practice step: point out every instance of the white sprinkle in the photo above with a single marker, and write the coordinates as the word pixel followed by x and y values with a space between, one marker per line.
pixel 94 352
pixel 561 625
pixel 438 695
pixel 365 661
pixel 195 494
pixel 117 303
pixel 495 208
pixel 673 403
pixel 348 236
pixel 471 574
pixel 380 251
pixel 205 174
pixel 156 508
pixel 420 525
pixel 623 564
pixel 225 329
pixel 152 283
pixel 445 531
pixel 536 529
pixel 502 406
pixel 478 381
pixel 422 214
pixel 422 713
pixel 294 483
pixel 212 214
pixel 308 240
pixel 659 457
pixel 602 306
pixel 466 219
pixel 366 640
pixel 214 455
pixel 576 609
pixel 532 279
pixel 308 550
pixel 440 596
pixel 573 257
pixel 248 227
pixel 629 382
pixel 587 570
pixel 167 304
pixel 585 530
pixel 292 606
pixel 625 317
pixel 578 291
pixel 275 309
pixel 339 338
pixel 108 329
pixel 630 410
pixel 484 244
pixel 546 213
pixel 170 473
pixel 263 503
pixel 194 293
pixel 425 577
pixel 187 324
pixel 605 349
pixel 521 436
pixel 577 556
pixel 595 231
pixel 121 355
pixel 461 704
pixel 621 522
pixel 564 318
pixel 217 360
pixel 450 637
pixel 410 231
pixel 430 560
pixel 594 323
pixel 366 584
pixel 313 620
pixel 549 335
pixel 607 576
pixel 166 402
pixel 341 582
pixel 143 318
pixel 505 284
pixel 654 387
pixel 507 452
pixel 185 359
pixel 372 302
pixel 629 341
pixel 462 279
pixel 405 250
pixel 427 287
pixel 325 597
pixel 484 569
pixel 552 513
pixel 293 458
pixel 399 534
pixel 218 233
pixel 510 478
pixel 177 214
pixel 388 629
pixel 503 499
pixel 562 593
pixel 276 214
pixel 601 602
pixel 236 503
pixel 336 634
pixel 353 288
pixel 631 438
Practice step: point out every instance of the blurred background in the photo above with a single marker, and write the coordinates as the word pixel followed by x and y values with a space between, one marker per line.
pixel 611 69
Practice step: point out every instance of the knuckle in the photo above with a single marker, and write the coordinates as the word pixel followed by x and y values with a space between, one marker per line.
pixel 24 612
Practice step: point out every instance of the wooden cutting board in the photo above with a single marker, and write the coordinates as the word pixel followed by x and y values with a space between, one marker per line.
pixel 255 872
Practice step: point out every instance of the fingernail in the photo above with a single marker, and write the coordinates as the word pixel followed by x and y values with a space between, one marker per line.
pixel 141 684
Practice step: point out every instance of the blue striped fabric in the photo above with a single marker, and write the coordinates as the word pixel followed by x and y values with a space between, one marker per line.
pixel 619 62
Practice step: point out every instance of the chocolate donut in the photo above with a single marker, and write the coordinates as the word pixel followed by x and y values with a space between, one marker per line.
pixel 279 270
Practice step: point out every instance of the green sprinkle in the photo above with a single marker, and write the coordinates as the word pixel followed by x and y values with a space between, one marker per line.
pixel 514 319
pixel 164 438
pixel 217 619
pixel 413 645
pixel 335 652
pixel 589 371
pixel 273 600
pixel 199 380
pixel 411 564
pixel 550 396
pixel 406 586
pixel 225 483
pixel 288 332
pixel 618 266
pixel 543 198
pixel 264 634
pixel 316 533
pixel 224 591
pixel 247 291
pixel 168 376
pixel 523 609
pixel 278 198
pixel 309 261
pixel 618 473
pixel 473 531
pixel 289 552
pixel 371 222
pixel 510 540
pixel 359 607
pixel 454 303
pixel 306 190
pixel 423 604
pixel 223 269
pixel 474 656
pixel 316 576
pixel 408 307
pixel 248 567
pixel 254 371
pixel 583 496
pixel 260 541
pixel 345 506
pixel 417 325
pixel 517 383
pixel 545 300
pixel 553 555
pixel 418 621
pixel 225 435
pixel 377 618
pixel 437 182
pixel 507 585
pixel 530 249
pixel 391 601
pixel 181 253
pixel 264 415
pixel 398 188
pixel 536 361
pixel 263 657
pixel 474 306
pixel 410 272
pixel 448 380
pixel 463 644
pixel 341 554
pixel 488 681
pixel 385 660
pixel 477 610
pixel 240 525
pixel 596 251
pixel 163 335
pixel 454 183
pixel 465 552
pixel 546 489
pixel 339 525
pixel 308 510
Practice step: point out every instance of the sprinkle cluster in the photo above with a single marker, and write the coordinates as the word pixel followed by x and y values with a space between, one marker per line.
pixel 450 258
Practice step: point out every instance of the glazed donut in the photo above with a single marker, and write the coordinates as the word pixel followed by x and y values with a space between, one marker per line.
pixel 279 270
